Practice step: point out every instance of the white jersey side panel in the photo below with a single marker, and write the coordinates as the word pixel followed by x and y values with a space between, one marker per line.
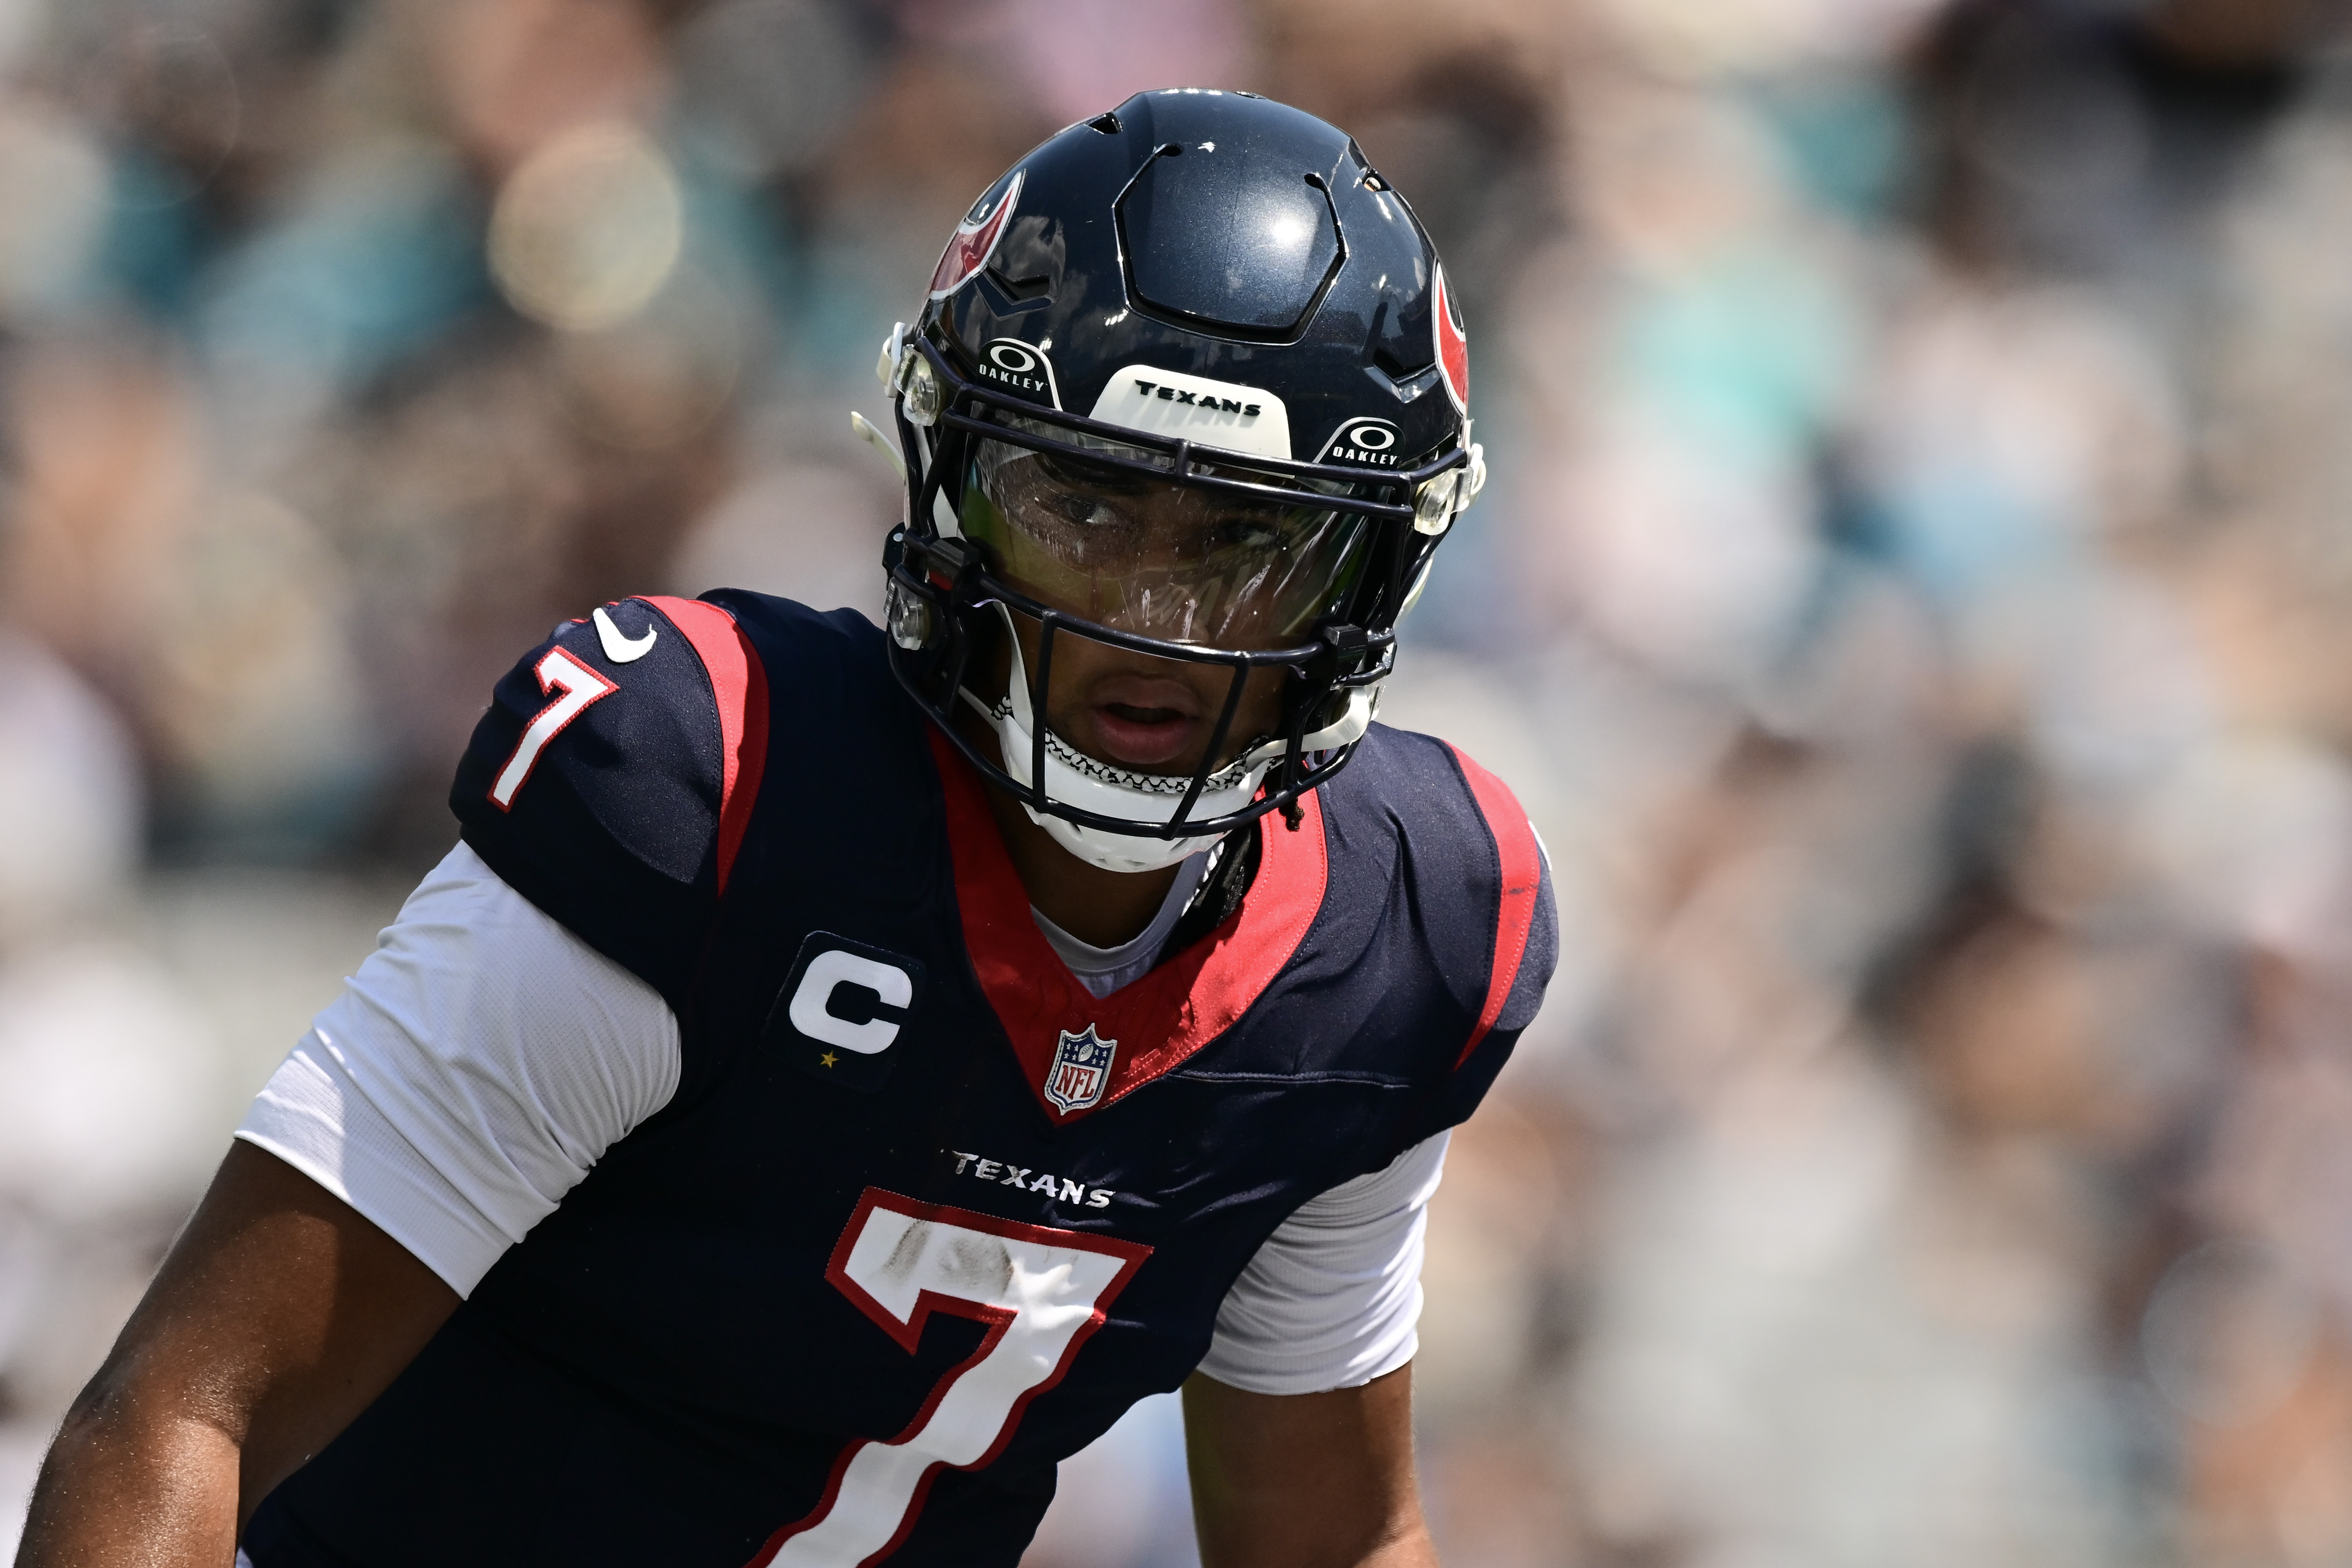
pixel 468 1076
pixel 1333 1298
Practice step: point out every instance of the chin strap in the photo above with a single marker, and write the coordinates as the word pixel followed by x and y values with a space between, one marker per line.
pixel 1233 868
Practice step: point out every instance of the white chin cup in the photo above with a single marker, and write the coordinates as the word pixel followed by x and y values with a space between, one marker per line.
pixel 1363 702
pixel 1093 787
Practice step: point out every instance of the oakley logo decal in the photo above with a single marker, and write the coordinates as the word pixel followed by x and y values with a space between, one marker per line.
pixel 1370 442
pixel 1008 362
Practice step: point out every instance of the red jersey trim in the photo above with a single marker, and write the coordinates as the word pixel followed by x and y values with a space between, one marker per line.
pixel 1522 879
pixel 740 682
pixel 1159 1021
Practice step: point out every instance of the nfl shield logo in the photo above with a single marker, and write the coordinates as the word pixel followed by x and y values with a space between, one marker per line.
pixel 1080 1071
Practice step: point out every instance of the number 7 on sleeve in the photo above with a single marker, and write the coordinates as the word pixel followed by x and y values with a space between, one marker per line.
pixel 581 688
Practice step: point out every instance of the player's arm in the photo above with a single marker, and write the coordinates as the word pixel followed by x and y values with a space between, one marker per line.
pixel 1299 1423
pixel 279 1315
pixel 467 1078
pixel 514 1023
pixel 1303 1480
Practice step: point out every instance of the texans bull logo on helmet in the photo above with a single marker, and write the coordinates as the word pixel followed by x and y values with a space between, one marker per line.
pixel 975 239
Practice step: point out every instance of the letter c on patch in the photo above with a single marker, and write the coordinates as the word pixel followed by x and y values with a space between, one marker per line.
pixel 811 1010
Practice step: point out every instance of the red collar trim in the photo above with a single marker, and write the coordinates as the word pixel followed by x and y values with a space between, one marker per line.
pixel 1160 1020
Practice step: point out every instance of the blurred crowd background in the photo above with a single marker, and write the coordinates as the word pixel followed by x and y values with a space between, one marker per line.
pixel 1914 602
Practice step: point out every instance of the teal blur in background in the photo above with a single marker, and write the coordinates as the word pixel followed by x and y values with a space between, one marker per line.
pixel 1912 602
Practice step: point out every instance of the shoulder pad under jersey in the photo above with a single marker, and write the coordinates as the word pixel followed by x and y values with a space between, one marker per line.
pixel 612 776
pixel 1525 946
pixel 1484 894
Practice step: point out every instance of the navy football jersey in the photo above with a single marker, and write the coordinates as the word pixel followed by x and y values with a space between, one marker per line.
pixel 924 1216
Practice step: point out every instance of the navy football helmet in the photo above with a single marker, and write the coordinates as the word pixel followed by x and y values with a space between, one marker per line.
pixel 1214 300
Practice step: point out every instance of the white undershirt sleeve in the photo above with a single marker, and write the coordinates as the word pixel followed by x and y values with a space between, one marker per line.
pixel 468 1076
pixel 1332 1297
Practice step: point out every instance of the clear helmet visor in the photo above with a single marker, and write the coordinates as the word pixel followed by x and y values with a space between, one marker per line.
pixel 1156 558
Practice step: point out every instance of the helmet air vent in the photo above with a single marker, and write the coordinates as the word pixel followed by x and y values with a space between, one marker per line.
pixel 1229 237
pixel 1107 123
pixel 1018 290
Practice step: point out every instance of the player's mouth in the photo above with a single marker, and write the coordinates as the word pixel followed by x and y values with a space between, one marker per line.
pixel 1145 723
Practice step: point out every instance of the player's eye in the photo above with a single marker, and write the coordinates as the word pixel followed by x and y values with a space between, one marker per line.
pixel 1262 531
pixel 1083 510
pixel 1067 474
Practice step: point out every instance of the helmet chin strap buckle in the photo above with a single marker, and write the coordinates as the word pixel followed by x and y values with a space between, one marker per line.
pixel 893 346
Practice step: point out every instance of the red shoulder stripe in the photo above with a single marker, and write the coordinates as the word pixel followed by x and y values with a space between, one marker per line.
pixel 1522 878
pixel 741 684
pixel 1160 1020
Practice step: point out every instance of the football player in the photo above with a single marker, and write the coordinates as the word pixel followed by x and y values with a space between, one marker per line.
pixel 843 1069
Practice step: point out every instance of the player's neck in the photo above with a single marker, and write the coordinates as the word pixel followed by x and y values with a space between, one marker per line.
pixel 1101 909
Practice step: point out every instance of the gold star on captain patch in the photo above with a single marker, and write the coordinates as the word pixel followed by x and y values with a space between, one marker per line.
pixel 827 1060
